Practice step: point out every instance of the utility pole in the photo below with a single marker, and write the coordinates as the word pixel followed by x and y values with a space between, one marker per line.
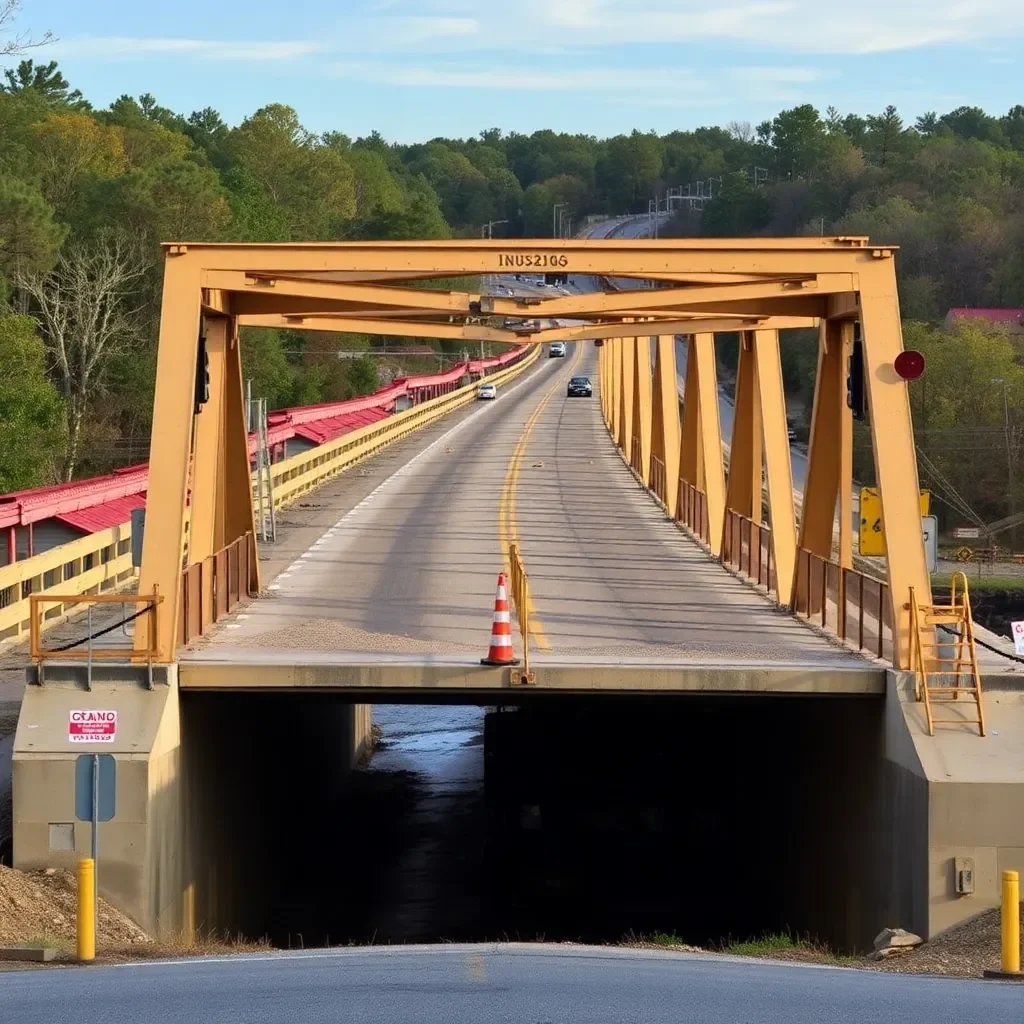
pixel 1010 474
pixel 556 224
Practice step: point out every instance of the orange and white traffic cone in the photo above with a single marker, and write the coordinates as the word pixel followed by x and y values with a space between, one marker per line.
pixel 500 652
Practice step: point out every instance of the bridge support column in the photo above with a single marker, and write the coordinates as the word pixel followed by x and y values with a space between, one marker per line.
pixel 642 405
pixel 892 441
pixel 743 494
pixel 615 391
pixel 709 433
pixel 665 418
pixel 771 400
pixel 627 396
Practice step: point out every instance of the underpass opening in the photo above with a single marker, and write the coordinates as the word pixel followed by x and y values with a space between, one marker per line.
pixel 593 818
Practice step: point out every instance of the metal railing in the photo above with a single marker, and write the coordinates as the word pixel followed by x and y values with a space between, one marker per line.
pixel 855 607
pixel 636 459
pixel 84 648
pixel 520 586
pixel 210 589
pixel 103 561
pixel 692 511
pixel 747 547
pixel 659 485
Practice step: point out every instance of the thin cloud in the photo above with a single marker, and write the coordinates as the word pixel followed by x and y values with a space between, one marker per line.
pixel 518 78
pixel 113 47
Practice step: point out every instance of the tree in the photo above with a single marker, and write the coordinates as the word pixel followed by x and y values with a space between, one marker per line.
pixel 45 80
pixel 87 313
pixel 71 147
pixel 12 45
pixel 29 235
pixel 883 135
pixel 798 138
pixel 30 408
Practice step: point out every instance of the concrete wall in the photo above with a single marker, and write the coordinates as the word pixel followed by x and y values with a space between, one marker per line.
pixel 203 798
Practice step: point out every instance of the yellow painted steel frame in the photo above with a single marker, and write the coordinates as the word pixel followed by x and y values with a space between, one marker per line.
pixel 665 418
pixel 755 285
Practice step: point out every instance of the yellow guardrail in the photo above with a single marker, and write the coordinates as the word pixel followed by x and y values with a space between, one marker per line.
pixel 294 476
pixel 103 561
pixel 520 587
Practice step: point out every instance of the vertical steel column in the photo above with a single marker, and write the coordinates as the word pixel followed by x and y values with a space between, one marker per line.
pixel 743 494
pixel 892 439
pixel 169 453
pixel 710 446
pixel 616 385
pixel 642 403
pixel 665 416
pixel 771 399
pixel 626 396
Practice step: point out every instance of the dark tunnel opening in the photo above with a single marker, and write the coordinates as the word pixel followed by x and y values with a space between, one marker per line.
pixel 702 817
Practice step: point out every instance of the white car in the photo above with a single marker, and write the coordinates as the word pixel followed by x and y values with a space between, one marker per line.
pixel 486 391
pixel 557 350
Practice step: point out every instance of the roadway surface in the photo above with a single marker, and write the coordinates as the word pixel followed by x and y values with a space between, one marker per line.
pixel 471 984
pixel 411 568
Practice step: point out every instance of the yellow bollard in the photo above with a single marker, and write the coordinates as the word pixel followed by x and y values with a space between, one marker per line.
pixel 1011 923
pixel 86 909
pixel 1009 967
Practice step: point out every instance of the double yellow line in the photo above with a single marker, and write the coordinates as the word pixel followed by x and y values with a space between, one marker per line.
pixel 508 529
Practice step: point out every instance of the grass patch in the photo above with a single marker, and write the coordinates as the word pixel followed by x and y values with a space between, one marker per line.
pixel 784 946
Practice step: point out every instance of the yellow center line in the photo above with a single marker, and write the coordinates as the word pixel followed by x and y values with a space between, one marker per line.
pixel 508 528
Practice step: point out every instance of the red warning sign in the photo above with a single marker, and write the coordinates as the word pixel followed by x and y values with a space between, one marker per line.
pixel 92 726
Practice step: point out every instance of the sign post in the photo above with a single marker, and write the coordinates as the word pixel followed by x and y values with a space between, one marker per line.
pixel 930 531
pixel 1017 628
pixel 95 799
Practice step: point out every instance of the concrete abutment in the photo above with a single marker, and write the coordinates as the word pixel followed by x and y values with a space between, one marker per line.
pixel 208 788
pixel 702 814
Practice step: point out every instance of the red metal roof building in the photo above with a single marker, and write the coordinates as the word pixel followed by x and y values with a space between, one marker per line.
pixel 1009 318
pixel 44 517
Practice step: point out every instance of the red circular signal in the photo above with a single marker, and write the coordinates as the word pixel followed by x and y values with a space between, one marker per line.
pixel 909 364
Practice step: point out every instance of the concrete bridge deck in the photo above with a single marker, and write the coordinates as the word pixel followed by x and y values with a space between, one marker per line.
pixel 622 597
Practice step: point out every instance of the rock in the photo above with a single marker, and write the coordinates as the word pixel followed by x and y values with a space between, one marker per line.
pixel 888 951
pixel 889 939
pixel 49 871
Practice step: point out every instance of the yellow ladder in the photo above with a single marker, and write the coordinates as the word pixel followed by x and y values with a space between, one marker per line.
pixel 946 678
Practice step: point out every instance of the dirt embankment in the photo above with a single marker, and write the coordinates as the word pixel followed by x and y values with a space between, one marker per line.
pixel 40 907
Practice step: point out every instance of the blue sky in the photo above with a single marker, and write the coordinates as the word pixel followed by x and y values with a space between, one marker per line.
pixel 414 69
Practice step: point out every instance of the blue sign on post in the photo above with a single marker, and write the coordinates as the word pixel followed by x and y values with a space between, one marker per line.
pixel 104 767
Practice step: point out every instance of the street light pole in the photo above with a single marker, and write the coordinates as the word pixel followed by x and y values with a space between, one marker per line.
pixel 556 224
pixel 1010 475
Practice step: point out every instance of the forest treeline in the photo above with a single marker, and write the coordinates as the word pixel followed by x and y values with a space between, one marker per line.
pixel 87 195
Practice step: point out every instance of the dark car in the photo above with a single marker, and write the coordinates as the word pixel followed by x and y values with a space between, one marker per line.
pixel 579 387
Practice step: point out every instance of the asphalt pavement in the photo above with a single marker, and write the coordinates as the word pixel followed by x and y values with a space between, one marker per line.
pixel 494 984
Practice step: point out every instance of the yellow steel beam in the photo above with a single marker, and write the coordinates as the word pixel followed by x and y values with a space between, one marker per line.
pixel 892 440
pixel 627 395
pixel 367 296
pixel 790 256
pixel 396 328
pixel 642 403
pixel 664 300
pixel 616 387
pixel 702 352
pixel 665 418
pixel 743 493
pixel 169 455
pixel 691 465
pixel 681 325
pixel 830 452
pixel 771 399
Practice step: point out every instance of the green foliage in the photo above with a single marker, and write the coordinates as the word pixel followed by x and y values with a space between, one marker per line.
pixel 30 408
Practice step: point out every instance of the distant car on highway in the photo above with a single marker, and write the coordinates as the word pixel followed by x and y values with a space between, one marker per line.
pixel 579 387
pixel 557 350
pixel 486 391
